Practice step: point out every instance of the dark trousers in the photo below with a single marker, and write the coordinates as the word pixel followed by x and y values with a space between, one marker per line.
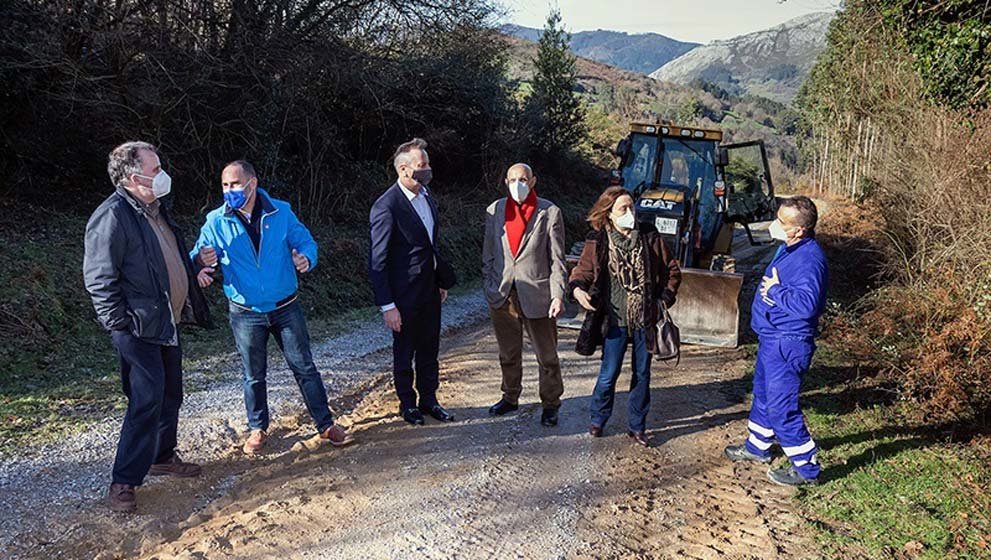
pixel 417 342
pixel 288 326
pixel 613 350
pixel 151 376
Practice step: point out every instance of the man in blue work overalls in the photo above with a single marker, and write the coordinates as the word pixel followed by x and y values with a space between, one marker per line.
pixel 785 316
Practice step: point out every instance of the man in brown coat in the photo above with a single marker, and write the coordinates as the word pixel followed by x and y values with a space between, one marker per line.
pixel 524 271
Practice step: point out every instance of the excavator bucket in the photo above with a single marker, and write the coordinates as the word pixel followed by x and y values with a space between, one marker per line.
pixel 707 311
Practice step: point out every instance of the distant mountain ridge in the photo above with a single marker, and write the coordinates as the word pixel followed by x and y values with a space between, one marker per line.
pixel 772 63
pixel 640 52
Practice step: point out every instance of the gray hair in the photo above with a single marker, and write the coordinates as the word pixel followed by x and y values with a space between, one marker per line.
pixel 402 155
pixel 125 160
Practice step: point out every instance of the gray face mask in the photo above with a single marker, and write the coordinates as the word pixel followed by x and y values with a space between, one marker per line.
pixel 423 176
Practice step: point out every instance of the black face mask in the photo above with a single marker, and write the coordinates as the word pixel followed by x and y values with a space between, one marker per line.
pixel 423 176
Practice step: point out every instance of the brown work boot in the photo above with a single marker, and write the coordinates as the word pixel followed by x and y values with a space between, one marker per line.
pixel 121 498
pixel 175 467
pixel 337 436
pixel 255 442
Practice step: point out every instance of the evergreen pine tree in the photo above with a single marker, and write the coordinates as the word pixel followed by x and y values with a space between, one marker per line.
pixel 556 113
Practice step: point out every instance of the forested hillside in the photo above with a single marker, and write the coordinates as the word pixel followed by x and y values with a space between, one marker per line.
pixel 636 52
pixel 617 97
pixel 895 117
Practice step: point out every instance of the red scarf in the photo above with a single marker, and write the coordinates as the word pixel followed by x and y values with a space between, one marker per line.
pixel 517 217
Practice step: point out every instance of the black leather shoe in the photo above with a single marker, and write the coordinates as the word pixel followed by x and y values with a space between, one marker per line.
pixel 439 413
pixel 549 417
pixel 640 438
pixel 413 416
pixel 502 407
pixel 594 431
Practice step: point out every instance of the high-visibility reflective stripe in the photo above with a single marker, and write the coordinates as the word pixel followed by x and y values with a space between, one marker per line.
pixel 762 445
pixel 799 449
pixel 758 429
pixel 801 463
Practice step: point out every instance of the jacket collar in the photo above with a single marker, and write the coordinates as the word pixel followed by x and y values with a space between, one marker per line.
pixel 407 203
pixel 538 211
pixel 796 246
pixel 138 206
pixel 410 195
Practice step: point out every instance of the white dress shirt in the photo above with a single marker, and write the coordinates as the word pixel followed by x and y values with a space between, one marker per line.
pixel 422 208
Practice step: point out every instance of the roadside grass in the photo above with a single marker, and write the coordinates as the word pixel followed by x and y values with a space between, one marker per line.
pixel 895 485
pixel 892 487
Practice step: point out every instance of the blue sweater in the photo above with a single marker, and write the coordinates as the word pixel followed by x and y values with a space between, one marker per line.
pixel 792 308
pixel 258 279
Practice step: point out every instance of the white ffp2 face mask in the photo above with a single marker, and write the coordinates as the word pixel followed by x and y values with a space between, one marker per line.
pixel 161 184
pixel 626 221
pixel 777 231
pixel 519 191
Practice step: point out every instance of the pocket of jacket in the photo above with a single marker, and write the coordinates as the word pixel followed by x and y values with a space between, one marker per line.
pixel 144 313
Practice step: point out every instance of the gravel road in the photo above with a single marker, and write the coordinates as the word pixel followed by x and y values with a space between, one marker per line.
pixel 481 487
pixel 44 487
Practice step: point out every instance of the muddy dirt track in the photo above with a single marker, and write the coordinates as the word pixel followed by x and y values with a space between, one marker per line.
pixel 506 487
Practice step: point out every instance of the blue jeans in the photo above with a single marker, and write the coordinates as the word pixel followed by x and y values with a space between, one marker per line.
pixel 613 350
pixel 288 326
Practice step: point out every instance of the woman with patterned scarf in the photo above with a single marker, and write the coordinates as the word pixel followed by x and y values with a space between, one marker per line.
pixel 622 275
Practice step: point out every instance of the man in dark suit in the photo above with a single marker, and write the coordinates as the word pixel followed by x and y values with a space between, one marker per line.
pixel 410 280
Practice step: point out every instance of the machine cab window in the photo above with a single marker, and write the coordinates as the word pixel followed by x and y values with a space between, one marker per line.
pixel 640 162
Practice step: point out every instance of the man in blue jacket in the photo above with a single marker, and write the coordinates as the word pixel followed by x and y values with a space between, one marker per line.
pixel 260 246
pixel 785 316
pixel 410 280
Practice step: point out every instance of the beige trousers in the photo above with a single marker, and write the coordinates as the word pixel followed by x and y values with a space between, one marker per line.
pixel 509 323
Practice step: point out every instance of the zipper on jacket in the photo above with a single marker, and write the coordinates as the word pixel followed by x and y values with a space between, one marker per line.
pixel 175 327
pixel 261 239
pixel 261 235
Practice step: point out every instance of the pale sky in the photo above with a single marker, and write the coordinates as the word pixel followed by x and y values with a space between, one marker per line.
pixel 698 21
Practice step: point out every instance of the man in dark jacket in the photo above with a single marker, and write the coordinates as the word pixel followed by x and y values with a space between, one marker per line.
pixel 410 280
pixel 143 284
